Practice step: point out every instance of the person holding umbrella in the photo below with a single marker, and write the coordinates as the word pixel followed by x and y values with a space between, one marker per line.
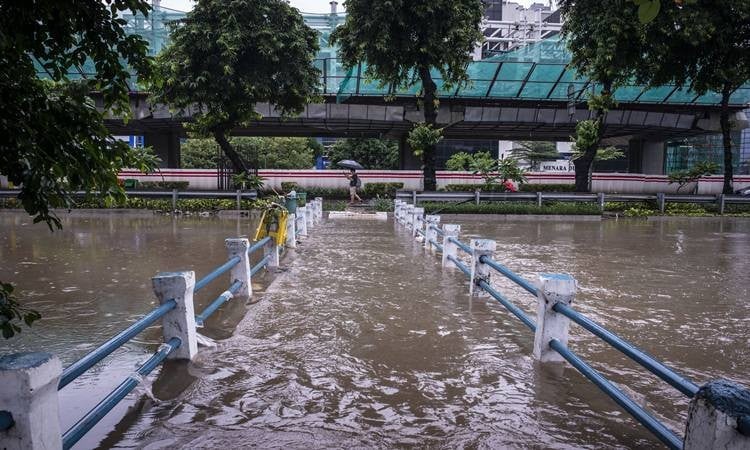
pixel 354 180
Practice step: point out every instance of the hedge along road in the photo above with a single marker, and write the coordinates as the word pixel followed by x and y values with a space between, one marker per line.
pixel 366 342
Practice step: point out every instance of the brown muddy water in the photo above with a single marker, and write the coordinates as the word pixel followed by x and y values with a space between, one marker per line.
pixel 363 341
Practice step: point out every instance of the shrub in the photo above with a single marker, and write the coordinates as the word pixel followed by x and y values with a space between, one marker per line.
pixel 382 189
pixel 383 204
pixel 528 187
pixel 162 185
pixel 639 212
pixel 474 187
pixel 287 186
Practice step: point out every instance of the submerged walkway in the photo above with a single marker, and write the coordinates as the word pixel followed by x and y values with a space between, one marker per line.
pixel 365 342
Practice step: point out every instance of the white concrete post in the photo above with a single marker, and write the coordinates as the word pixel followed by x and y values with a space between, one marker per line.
pixel 309 215
pixel 319 208
pixel 291 231
pixel 180 321
pixel 272 251
pixel 449 248
pixel 396 209
pixel 409 217
pixel 430 234
pixel 479 270
pixel 302 220
pixel 417 220
pixel 553 288
pixel 718 415
pixel 28 396
pixel 241 272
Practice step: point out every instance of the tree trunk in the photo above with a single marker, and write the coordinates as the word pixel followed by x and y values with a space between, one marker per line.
pixel 726 130
pixel 585 162
pixel 430 117
pixel 226 147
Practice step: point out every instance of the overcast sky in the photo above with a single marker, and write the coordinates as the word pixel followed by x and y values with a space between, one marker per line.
pixel 302 5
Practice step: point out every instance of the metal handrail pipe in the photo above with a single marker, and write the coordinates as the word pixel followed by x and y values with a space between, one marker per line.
pixel 437 246
pixel 200 284
pixel 461 266
pixel 515 310
pixel 460 245
pixel 437 230
pixel 679 382
pixel 263 262
pixel 512 276
pixel 87 422
pixel 420 232
pixel 216 304
pixel 650 422
pixel 75 370
pixel 258 245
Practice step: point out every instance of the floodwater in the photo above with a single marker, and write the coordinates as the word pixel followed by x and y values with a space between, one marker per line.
pixel 364 341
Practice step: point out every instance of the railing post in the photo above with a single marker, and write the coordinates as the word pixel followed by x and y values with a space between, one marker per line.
pixel 397 207
pixel 319 208
pixel 29 402
pixel 409 217
pixel 416 220
pixel 553 288
pixel 239 198
pixel 450 230
pixel 271 250
pixel 414 198
pixel 180 321
pixel 721 202
pixel 719 417
pixel 476 197
pixel 309 215
pixel 302 220
pixel 174 200
pixel 661 201
pixel 430 234
pixel 600 200
pixel 240 272
pixel 479 270
pixel 539 199
pixel 291 231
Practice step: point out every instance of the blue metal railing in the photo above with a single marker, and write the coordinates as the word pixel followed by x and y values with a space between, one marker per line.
pixel 214 274
pixel 437 230
pixel 654 366
pixel 261 264
pixel 420 232
pixel 437 246
pixel 652 424
pixel 460 245
pixel 77 431
pixel 82 365
pixel 216 304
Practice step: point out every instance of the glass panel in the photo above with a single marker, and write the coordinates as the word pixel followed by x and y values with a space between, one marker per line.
pixel 740 97
pixel 627 93
pixel 710 98
pixel 475 89
pixel 655 95
pixel 536 90
pixel 546 72
pixel 561 90
pixel 681 95
pixel 511 71
pixel 505 89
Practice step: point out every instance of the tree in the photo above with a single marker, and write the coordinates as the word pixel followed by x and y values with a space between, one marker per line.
pixel 491 170
pixel 604 38
pixel 534 152
pixel 226 57
pixel 53 139
pixel 465 161
pixel 403 43
pixel 261 152
pixel 683 177
pixel 705 47
pixel 371 153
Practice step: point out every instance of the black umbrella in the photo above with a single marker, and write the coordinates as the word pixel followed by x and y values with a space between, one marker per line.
pixel 349 164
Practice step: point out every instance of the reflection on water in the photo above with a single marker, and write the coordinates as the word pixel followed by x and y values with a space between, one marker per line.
pixel 366 342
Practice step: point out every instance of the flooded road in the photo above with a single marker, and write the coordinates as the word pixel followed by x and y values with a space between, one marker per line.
pixel 364 340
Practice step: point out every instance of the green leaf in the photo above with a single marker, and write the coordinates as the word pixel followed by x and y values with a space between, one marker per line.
pixel 648 10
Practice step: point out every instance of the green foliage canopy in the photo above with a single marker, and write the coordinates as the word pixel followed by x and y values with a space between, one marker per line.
pixel 53 137
pixel 260 152
pixel 405 42
pixel 225 57
pixel 534 152
pixel 465 161
pixel 371 153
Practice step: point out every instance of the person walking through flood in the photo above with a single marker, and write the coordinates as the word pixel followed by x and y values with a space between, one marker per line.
pixel 354 183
